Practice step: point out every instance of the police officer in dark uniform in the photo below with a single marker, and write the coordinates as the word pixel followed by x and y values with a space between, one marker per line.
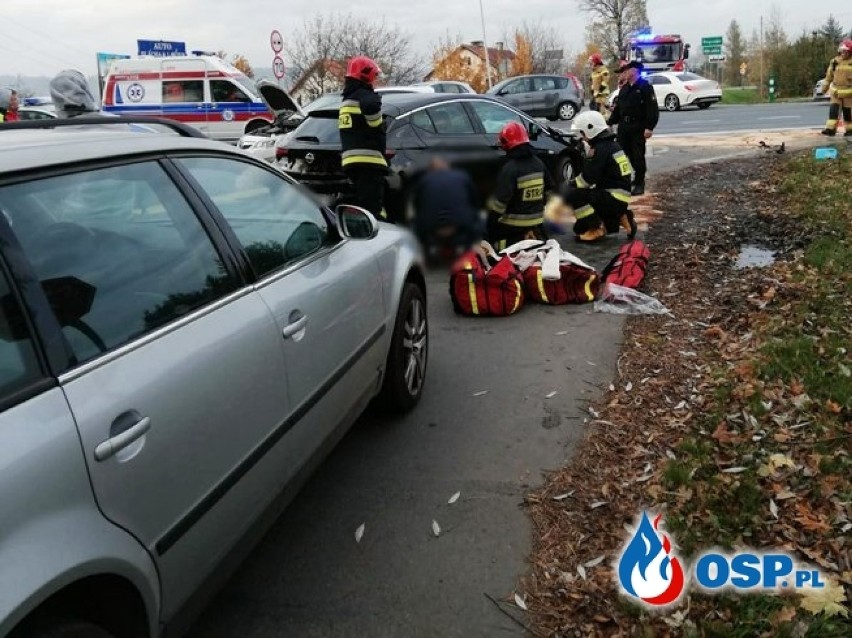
pixel 362 135
pixel 636 114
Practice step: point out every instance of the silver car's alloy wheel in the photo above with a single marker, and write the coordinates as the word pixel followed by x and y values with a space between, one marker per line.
pixel 414 342
pixel 567 111
pixel 672 103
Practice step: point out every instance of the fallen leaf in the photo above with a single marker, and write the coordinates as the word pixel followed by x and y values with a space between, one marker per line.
pixel 598 504
pixel 723 435
pixel 645 478
pixel 601 619
pixel 562 333
pixel 594 413
pixel 591 363
pixel 481 393
pixel 809 519
pixel 796 388
pixel 436 529
pixel 520 603
pixel 773 509
pixel 827 601
pixel 833 407
pixel 775 463
pixel 454 498
pixel 359 533
pixel 785 495
pixel 612 387
pixel 628 387
pixel 734 470
pixel 595 562
pixel 786 615
pixel 582 571
pixel 550 395
pixel 562 497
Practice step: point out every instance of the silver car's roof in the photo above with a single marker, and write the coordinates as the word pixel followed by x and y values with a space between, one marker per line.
pixel 28 149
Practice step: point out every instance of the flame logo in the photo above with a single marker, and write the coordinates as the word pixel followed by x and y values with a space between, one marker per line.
pixel 647 570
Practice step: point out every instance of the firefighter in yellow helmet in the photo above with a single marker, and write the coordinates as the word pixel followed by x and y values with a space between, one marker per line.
pixel 600 83
pixel 838 78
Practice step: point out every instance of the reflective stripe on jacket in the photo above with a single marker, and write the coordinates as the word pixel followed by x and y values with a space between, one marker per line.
pixel 521 187
pixel 362 131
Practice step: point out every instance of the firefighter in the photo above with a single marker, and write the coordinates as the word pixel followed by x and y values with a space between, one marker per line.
pixel 636 114
pixel 838 78
pixel 600 194
pixel 600 83
pixel 362 135
pixel 516 210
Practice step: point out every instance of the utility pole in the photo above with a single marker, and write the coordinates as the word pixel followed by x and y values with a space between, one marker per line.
pixel 760 89
pixel 485 46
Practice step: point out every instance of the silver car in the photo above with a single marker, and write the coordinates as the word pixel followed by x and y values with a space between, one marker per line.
pixel 556 97
pixel 184 334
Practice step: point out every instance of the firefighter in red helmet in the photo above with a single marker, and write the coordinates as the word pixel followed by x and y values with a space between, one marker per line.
pixel 362 135
pixel 600 83
pixel 838 82
pixel 516 209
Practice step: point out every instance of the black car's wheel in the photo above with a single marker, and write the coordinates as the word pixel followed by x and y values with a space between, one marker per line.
pixel 71 629
pixel 704 106
pixel 566 111
pixel 672 103
pixel 552 118
pixel 566 170
pixel 408 356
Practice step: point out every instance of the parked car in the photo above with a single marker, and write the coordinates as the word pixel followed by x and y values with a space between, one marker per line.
pixel 461 128
pixel 676 90
pixel 261 142
pixel 447 86
pixel 820 92
pixel 185 333
pixel 26 113
pixel 556 97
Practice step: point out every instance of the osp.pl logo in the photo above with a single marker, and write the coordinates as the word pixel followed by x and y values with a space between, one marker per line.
pixel 649 571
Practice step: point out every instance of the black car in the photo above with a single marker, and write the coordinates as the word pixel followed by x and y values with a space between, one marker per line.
pixel 462 129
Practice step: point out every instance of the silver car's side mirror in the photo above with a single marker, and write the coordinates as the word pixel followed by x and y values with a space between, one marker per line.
pixel 356 223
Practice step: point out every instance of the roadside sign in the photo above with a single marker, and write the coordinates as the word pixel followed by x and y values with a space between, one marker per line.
pixel 160 48
pixel 717 58
pixel 276 41
pixel 278 67
pixel 712 41
pixel 712 50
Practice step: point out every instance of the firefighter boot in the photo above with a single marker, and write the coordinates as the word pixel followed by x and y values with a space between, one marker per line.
pixel 628 223
pixel 638 189
pixel 831 125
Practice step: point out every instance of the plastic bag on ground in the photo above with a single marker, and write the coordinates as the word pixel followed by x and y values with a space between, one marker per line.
pixel 619 300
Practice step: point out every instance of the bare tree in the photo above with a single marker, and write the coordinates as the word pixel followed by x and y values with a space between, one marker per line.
pixel 612 21
pixel 546 45
pixel 326 41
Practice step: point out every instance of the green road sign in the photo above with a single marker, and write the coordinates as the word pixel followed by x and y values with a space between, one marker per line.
pixel 712 50
pixel 712 41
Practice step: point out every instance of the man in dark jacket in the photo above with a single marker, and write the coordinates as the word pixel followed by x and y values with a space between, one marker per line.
pixel 600 195
pixel 362 135
pixel 516 209
pixel 636 114
pixel 446 207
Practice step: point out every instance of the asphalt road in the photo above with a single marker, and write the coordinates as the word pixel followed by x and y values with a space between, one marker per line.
pixel 746 117
pixel 309 578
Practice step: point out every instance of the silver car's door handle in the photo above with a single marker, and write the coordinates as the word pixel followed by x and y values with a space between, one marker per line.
pixel 295 327
pixel 117 443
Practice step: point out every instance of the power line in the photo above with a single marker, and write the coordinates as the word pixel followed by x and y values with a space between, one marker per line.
pixel 44 35
pixel 28 53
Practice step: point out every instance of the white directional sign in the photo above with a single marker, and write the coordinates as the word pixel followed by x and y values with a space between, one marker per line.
pixel 717 58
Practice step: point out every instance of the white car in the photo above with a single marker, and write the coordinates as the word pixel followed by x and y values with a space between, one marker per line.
pixel 27 113
pixel 675 90
pixel 260 143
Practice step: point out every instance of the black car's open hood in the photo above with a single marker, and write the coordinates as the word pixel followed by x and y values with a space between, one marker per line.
pixel 277 99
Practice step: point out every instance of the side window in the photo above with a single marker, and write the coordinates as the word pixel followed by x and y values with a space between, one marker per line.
pixel 226 91
pixel 494 117
pixel 450 119
pixel 519 86
pixel 183 91
pixel 275 222
pixel 659 79
pixel 421 120
pixel 18 363
pixel 544 84
pixel 118 251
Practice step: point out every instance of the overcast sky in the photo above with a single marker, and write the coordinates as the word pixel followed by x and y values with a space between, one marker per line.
pixel 41 37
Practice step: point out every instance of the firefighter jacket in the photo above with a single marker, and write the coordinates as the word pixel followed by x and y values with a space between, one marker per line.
pixel 362 132
pixel 521 186
pixel 839 74
pixel 607 168
pixel 600 81
pixel 636 107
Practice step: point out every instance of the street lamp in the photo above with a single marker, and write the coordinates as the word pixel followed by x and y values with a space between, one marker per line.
pixel 485 46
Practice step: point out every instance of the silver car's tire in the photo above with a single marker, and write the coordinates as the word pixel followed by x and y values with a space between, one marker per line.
pixel 566 111
pixel 405 373
pixel 672 103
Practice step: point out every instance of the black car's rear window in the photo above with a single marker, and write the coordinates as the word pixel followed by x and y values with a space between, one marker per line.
pixel 320 128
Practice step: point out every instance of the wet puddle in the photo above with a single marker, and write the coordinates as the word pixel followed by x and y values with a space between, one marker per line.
pixel 755 257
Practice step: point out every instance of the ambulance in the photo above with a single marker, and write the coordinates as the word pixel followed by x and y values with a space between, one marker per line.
pixel 203 91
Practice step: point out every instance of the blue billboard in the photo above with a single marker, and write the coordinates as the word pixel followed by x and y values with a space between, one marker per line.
pixel 160 48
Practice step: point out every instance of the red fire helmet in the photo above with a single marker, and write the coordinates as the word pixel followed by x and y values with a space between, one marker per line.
pixel 596 59
pixel 513 134
pixel 362 68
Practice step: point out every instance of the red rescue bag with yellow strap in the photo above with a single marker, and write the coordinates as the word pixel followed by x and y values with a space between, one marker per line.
pixel 485 285
pixel 628 267
pixel 575 285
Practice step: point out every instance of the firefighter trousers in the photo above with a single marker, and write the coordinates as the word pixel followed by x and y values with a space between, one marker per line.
pixel 837 106
pixel 369 188
pixel 502 236
pixel 632 141
pixel 596 209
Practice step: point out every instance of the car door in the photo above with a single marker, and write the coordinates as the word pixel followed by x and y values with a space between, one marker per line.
pixel 230 106
pixel 178 377
pixel 325 294
pixel 518 94
pixel 545 96
pixel 184 92
pixel 662 87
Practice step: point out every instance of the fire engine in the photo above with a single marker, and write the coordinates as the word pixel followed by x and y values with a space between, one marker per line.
pixel 657 52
